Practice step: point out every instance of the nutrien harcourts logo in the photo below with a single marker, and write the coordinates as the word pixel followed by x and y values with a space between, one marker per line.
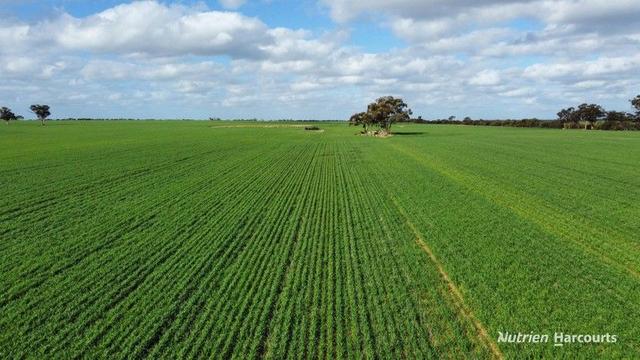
pixel 558 339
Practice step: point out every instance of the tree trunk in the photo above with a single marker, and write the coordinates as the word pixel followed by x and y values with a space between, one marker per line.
pixel 42 121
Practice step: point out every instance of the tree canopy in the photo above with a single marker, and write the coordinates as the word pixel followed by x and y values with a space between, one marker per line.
pixel 7 115
pixel 383 113
pixel 635 102
pixel 587 114
pixel 41 111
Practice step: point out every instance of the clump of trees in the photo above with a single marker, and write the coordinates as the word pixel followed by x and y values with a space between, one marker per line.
pixel 586 115
pixel 380 115
pixel 7 115
pixel 595 117
pixel 41 111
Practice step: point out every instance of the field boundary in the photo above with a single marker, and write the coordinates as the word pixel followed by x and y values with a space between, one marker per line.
pixel 458 299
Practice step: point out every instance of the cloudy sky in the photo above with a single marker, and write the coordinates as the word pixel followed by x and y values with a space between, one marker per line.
pixel 317 59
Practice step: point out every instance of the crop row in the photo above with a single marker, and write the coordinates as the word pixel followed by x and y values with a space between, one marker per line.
pixel 520 262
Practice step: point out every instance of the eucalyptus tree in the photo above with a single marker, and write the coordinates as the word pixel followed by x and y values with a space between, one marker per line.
pixel 383 112
pixel 361 119
pixel 41 111
pixel 635 102
pixel 387 110
pixel 7 115
pixel 567 117
pixel 590 114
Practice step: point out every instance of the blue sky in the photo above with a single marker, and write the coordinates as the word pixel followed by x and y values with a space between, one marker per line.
pixel 317 59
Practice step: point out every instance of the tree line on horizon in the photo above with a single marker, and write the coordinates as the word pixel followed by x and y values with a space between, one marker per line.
pixel 387 110
pixel 585 116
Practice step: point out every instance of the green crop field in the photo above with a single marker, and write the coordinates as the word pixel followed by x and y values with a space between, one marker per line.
pixel 262 240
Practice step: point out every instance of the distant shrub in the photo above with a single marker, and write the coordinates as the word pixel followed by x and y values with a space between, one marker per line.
pixel 311 128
